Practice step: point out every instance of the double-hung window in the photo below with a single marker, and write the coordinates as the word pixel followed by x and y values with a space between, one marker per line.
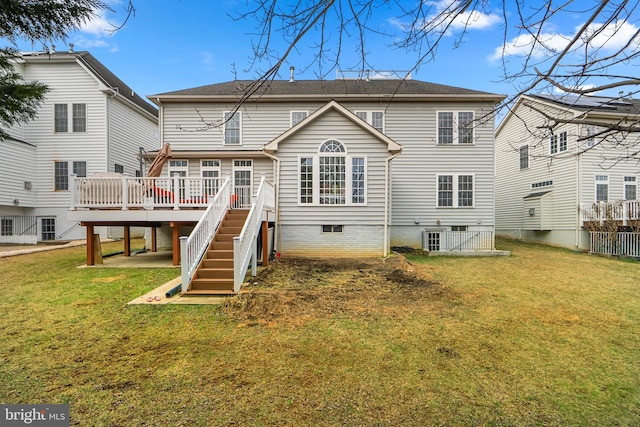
pixel 332 177
pixel 210 172
pixel 558 143
pixel 455 127
pixel 374 118
pixel 232 129
pixel 298 116
pixel 524 157
pixel 455 191
pixel 630 188
pixel 78 118
pixel 61 176
pixel 602 188
pixel 80 169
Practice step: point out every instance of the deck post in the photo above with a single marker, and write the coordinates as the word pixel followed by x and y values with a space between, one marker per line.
pixel 125 193
pixel 91 260
pixel 72 190
pixel 154 244
pixel 175 242
pixel 176 192
pixel 127 240
pixel 265 243
pixel 254 257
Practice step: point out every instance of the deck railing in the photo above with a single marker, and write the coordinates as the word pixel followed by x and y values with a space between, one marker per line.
pixel 245 246
pixel 124 192
pixel 615 243
pixel 621 210
pixel 458 241
pixel 193 248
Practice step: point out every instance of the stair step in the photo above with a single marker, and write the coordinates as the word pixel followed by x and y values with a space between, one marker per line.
pixel 211 284
pixel 234 222
pixel 215 273
pixel 220 237
pixel 220 254
pixel 210 292
pixel 229 230
pixel 217 263
pixel 221 246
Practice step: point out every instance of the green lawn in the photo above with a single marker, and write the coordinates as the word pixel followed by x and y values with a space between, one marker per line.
pixel 544 337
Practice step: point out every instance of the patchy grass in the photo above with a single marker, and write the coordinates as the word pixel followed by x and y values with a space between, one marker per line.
pixel 544 337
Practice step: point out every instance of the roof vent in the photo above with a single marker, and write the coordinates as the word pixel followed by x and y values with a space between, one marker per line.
pixel 52 49
pixel 292 71
pixel 70 47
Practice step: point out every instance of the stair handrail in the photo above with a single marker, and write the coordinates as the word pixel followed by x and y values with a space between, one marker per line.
pixel 244 246
pixel 193 247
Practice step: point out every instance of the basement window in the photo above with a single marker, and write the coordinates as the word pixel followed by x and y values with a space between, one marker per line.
pixel 332 229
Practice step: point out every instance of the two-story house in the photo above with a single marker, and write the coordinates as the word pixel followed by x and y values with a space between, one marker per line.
pixel 91 122
pixel 558 180
pixel 357 166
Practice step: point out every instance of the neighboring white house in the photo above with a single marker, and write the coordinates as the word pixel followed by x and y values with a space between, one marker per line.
pixel 91 122
pixel 556 180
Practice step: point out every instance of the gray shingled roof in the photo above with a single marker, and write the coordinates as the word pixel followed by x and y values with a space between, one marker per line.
pixel 327 88
pixel 104 74
pixel 621 105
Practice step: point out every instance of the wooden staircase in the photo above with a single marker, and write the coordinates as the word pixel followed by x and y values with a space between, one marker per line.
pixel 214 275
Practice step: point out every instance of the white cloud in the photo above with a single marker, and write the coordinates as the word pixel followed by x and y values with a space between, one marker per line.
pixel 610 38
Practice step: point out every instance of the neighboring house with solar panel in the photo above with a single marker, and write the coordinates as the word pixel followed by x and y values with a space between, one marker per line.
pixel 90 122
pixel 562 182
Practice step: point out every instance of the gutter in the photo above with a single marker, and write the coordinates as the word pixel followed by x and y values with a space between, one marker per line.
pixel 276 196
pixel 387 203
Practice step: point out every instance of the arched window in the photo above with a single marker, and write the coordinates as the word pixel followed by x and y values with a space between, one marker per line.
pixel 332 177
pixel 332 146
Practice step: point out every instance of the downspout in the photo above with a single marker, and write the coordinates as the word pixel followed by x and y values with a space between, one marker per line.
pixel 387 204
pixel 578 237
pixel 277 199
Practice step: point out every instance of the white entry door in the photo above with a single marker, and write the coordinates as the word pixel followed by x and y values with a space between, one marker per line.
pixel 242 183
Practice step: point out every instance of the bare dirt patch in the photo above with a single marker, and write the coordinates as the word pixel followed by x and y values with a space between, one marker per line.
pixel 296 290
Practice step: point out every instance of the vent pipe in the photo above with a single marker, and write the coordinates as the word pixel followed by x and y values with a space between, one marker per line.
pixel 292 71
pixel 70 47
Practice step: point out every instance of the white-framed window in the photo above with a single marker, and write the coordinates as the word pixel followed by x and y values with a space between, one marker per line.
pixel 591 140
pixel 232 128
pixel 602 188
pixel 298 116
pixel 210 172
pixel 630 188
pixel 243 181
pixel 455 191
pixel 48 228
pixel 558 143
pixel 79 117
pixel 61 176
pixel 542 184
pixel 6 226
pixel 332 177
pixel 374 118
pixel 455 127
pixel 62 122
pixel 60 118
pixel 524 157
pixel 178 166
pixel 80 169
pixel 332 228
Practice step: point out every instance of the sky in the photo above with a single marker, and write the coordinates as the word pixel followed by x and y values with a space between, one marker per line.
pixel 177 44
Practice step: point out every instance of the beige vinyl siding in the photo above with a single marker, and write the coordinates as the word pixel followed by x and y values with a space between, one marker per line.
pixel 592 164
pixel 18 167
pixel 129 130
pixel 414 189
pixel 559 209
pixel 306 143
pixel 69 84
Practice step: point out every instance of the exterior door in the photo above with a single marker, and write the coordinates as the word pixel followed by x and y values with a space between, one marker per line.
pixel 242 183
